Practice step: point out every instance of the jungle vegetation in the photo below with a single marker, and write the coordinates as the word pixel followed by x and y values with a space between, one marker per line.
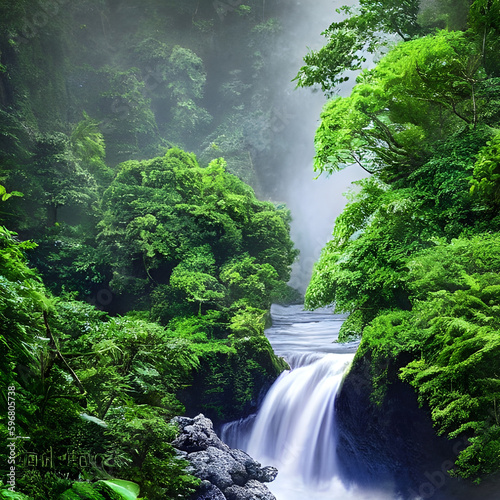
pixel 414 255
pixel 137 265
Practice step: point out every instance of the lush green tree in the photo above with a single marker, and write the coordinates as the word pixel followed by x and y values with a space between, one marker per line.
pixel 197 286
pixel 88 145
pixel 414 255
pixel 373 26
pixel 187 80
pixel 172 224
pixel 58 179
pixel 363 268
pixel 364 30
pixel 417 95
pixel 484 19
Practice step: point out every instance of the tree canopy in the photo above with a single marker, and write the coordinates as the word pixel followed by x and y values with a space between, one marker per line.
pixel 413 257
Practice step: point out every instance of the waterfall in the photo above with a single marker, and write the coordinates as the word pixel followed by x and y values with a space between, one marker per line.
pixel 295 431
pixel 295 428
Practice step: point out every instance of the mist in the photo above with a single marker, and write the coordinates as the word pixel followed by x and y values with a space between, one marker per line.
pixel 314 202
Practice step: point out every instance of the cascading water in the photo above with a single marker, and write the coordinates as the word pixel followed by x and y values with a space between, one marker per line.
pixel 295 427
pixel 392 455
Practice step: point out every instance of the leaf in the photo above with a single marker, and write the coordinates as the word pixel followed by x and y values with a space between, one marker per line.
pixel 127 489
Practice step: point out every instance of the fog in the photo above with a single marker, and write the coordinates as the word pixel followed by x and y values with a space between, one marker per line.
pixel 314 203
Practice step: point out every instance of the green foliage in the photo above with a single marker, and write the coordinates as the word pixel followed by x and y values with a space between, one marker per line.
pixel 414 255
pixel 363 266
pixel 364 30
pixel 40 485
pixel 67 258
pixel 12 495
pixel 179 230
pixel 115 489
pixel 419 93
pixel 88 145
pixel 54 179
pixel 374 26
pixel 143 438
pixel 192 247
pixel 484 18
pixel 5 195
pixel 129 371
pixel 108 386
pixel 127 489
pixel 231 372
pixel 353 326
pixel 447 347
pixel 21 302
pixel 186 64
pixel 390 336
pixel 486 175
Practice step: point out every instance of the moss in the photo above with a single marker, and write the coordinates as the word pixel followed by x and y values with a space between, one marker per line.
pixel 231 377
pixel 352 327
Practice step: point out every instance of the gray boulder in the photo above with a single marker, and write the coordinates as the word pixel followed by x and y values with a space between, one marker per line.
pixel 253 468
pixel 253 490
pixel 218 467
pixel 197 434
pixel 267 474
pixel 207 491
pixel 226 474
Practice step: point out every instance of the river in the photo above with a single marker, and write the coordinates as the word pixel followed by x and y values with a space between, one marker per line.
pixel 296 430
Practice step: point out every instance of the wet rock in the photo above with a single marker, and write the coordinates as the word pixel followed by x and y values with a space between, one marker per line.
pixel 253 490
pixel 252 467
pixel 267 474
pixel 226 474
pixel 197 434
pixel 218 467
pixel 208 491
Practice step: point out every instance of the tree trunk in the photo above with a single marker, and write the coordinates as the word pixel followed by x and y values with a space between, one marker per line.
pixel 51 215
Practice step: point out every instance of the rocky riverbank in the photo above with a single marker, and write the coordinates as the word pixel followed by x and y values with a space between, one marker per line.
pixel 226 473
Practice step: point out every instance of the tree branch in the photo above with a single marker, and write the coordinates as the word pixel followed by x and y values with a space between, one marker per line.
pixel 61 357
pixel 359 163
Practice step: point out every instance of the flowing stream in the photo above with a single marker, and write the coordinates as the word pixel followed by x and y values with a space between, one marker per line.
pixel 295 427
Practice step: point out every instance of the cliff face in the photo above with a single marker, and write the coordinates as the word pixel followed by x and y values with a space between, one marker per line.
pixel 394 443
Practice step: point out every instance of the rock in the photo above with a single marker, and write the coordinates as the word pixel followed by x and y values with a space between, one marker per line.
pixel 267 474
pixel 207 491
pixel 197 434
pixel 253 490
pixel 218 467
pixel 251 466
pixel 226 474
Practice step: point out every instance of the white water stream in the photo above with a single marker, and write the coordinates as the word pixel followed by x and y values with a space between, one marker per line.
pixel 295 427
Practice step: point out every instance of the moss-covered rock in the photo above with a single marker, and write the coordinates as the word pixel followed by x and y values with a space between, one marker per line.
pixel 232 377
